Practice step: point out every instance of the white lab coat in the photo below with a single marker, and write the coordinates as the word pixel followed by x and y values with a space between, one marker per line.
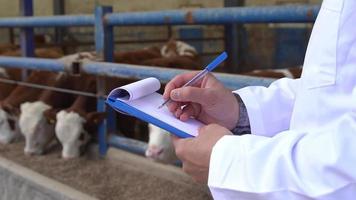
pixel 303 141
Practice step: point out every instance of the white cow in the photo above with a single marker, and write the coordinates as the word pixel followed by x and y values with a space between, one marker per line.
pixel 160 147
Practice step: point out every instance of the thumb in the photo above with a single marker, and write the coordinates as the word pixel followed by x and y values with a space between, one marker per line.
pixel 201 96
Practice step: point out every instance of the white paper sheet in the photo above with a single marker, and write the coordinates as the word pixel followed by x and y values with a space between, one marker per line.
pixel 149 104
pixel 137 89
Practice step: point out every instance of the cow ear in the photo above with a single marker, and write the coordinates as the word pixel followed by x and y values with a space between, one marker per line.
pixel 50 115
pixel 95 117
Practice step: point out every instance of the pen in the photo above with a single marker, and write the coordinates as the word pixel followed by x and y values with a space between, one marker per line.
pixel 211 66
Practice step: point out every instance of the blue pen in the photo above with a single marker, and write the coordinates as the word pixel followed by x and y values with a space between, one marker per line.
pixel 211 66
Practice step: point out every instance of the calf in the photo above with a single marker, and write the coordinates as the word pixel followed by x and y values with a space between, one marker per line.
pixel 75 123
pixel 10 106
pixel 53 52
pixel 38 131
pixel 160 147
pixel 5 88
pixel 176 54
pixel 138 56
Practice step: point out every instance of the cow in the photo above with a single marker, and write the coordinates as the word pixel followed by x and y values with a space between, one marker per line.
pixel 10 106
pixel 176 54
pixel 37 129
pixel 160 147
pixel 138 56
pixel 6 88
pixel 53 52
pixel 75 124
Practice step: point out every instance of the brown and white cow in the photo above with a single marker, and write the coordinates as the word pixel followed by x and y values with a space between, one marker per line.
pixel 10 106
pixel 75 124
pixel 176 54
pixel 160 147
pixel 37 129
pixel 138 56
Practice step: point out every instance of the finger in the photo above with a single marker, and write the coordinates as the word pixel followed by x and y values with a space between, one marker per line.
pixel 202 96
pixel 191 110
pixel 172 106
pixel 177 82
pixel 178 112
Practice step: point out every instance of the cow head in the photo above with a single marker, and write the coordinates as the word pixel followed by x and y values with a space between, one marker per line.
pixel 160 147
pixel 178 48
pixel 72 131
pixel 9 130
pixel 35 127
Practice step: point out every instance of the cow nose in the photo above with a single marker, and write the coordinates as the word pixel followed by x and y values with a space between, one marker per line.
pixel 154 152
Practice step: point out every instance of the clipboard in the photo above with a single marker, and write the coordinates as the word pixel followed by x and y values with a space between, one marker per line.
pixel 140 99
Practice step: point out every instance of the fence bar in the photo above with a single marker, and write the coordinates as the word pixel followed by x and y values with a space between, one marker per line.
pixel 32 63
pixel 48 21
pixel 165 75
pixel 43 87
pixel 126 71
pixel 133 146
pixel 267 14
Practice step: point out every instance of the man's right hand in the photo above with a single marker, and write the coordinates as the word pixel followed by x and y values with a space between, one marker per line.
pixel 208 101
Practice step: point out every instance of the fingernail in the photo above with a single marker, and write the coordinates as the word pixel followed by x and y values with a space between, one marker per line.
pixel 175 95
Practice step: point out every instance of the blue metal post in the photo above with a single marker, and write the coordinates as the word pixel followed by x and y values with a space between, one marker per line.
pixel 104 49
pixel 233 40
pixel 59 9
pixel 26 35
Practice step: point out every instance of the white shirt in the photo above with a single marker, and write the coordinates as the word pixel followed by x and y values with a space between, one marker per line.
pixel 303 141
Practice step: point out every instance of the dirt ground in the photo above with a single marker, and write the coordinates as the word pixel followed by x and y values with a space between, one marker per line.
pixel 128 177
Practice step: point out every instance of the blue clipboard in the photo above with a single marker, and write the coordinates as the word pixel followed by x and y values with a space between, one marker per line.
pixel 123 107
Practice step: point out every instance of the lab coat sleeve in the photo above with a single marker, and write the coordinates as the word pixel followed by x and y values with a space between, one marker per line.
pixel 270 109
pixel 319 164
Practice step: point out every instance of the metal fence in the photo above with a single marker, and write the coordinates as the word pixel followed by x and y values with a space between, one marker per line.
pixel 103 20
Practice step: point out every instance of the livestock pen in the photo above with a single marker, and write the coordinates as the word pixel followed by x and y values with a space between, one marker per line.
pixel 104 20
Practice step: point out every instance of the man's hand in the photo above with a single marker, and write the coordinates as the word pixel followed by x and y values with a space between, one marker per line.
pixel 208 100
pixel 195 152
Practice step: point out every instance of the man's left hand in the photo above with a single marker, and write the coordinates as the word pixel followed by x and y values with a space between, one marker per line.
pixel 195 152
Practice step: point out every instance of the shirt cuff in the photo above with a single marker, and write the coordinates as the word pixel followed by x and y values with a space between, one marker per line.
pixel 243 125
pixel 253 110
